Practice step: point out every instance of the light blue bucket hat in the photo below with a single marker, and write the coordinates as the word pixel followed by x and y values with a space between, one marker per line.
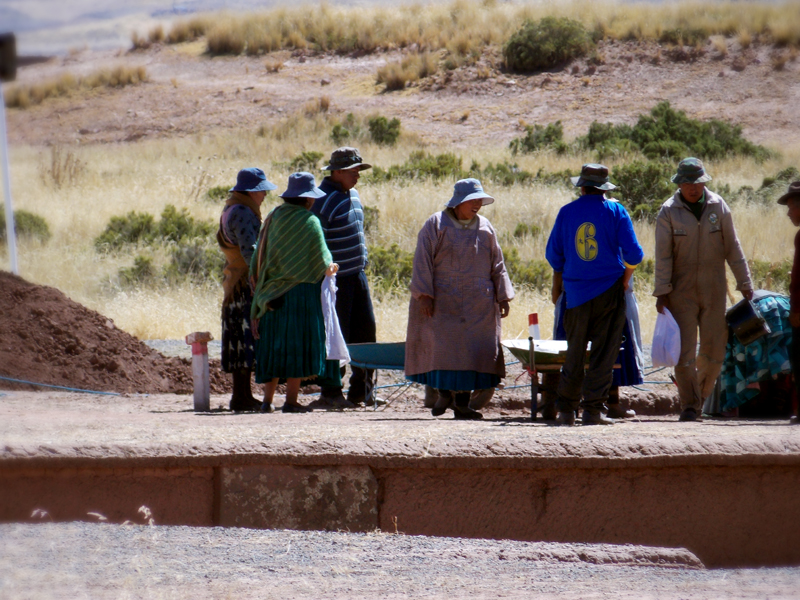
pixel 252 180
pixel 468 189
pixel 302 185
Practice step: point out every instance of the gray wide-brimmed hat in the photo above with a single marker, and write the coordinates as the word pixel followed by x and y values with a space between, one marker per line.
pixel 468 189
pixel 691 170
pixel 345 158
pixel 252 179
pixel 593 175
pixel 302 185
pixel 793 192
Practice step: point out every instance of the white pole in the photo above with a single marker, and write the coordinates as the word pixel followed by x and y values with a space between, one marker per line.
pixel 11 235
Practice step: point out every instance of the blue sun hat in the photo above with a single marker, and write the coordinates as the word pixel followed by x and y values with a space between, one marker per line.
pixel 468 189
pixel 302 185
pixel 252 179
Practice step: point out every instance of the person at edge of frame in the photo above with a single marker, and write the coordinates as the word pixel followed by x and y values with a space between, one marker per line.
pixel 791 199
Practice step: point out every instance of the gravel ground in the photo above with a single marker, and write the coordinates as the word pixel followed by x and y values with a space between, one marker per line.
pixel 86 560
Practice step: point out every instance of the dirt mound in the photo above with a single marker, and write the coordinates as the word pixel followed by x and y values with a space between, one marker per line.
pixel 47 338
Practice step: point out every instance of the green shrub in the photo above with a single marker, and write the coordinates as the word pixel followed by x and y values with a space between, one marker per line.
pixel 421 165
pixel 306 161
pixel 545 44
pixel 771 276
pixel 391 266
pixel 26 225
pixel 642 187
pixel 176 226
pixel 526 230
pixel 129 229
pixel 196 261
pixel 534 273
pixel 383 131
pixel 349 129
pixel 371 218
pixel 217 193
pixel 670 134
pixel 501 174
pixel 141 273
pixel 540 138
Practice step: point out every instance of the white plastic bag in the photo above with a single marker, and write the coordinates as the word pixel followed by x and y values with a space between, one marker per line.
pixel 666 351
pixel 335 346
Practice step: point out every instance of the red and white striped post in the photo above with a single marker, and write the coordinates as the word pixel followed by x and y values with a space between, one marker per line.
pixel 199 343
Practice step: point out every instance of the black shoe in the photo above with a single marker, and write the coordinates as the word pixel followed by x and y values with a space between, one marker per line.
pixel 566 418
pixel 444 402
pixel 615 411
pixel 595 419
pixel 465 413
pixel 337 401
pixel 549 411
pixel 295 408
pixel 688 414
pixel 266 407
pixel 245 405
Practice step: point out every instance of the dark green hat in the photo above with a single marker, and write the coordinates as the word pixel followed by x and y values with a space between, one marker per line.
pixel 691 170
pixel 593 175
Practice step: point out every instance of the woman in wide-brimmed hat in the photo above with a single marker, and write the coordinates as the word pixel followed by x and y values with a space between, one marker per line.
pixel 237 234
pixel 459 292
pixel 289 264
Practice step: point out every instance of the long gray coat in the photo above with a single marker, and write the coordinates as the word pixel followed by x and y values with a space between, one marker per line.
pixel 463 270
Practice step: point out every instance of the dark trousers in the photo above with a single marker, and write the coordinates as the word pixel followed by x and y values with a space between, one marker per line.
pixel 794 357
pixel 600 321
pixel 357 320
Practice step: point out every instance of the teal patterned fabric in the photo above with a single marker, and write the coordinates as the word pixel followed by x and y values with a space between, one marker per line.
pixel 764 359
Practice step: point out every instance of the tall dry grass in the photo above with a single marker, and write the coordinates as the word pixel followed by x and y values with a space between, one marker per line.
pixel 23 96
pixel 147 175
pixel 463 27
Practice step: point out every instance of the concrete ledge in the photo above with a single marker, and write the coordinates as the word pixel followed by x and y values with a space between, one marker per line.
pixel 728 492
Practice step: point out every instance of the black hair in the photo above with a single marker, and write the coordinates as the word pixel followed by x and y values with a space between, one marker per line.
pixel 592 191
pixel 296 201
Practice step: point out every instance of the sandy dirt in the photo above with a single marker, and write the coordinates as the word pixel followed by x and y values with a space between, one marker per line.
pixel 189 93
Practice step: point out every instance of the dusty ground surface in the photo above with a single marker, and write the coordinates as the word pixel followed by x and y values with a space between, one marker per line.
pixel 190 93
pixel 84 560
pixel 46 425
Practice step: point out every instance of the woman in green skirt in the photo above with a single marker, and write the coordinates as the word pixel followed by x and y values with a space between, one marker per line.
pixel 289 264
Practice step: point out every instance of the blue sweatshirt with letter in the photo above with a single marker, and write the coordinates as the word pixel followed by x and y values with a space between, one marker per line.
pixel 591 243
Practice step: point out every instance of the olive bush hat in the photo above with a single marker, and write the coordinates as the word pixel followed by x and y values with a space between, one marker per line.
pixel 468 189
pixel 302 185
pixel 691 170
pixel 793 192
pixel 593 175
pixel 252 180
pixel 345 158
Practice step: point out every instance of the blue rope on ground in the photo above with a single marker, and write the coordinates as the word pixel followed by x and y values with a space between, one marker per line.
pixel 59 387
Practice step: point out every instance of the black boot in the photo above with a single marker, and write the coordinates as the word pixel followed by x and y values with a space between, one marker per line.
pixel 242 399
pixel 461 407
pixel 443 402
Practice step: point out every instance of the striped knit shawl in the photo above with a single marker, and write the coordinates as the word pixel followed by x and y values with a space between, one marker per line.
pixel 291 250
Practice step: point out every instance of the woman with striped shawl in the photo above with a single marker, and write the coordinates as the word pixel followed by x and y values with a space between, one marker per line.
pixel 289 264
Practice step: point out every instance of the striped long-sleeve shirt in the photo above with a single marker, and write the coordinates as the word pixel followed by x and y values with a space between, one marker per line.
pixel 342 219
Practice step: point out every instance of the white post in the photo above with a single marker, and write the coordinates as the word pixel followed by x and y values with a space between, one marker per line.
pixel 11 234
pixel 202 395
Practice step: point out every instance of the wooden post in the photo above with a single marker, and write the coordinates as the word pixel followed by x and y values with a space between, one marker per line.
pixel 199 343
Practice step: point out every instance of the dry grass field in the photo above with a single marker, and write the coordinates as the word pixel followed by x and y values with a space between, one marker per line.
pixel 86 156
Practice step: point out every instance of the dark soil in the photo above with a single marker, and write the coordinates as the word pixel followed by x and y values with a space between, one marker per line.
pixel 47 338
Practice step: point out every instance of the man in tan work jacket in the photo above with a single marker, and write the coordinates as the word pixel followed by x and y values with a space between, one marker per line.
pixel 694 238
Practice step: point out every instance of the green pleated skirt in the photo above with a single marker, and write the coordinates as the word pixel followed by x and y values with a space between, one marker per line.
pixel 291 340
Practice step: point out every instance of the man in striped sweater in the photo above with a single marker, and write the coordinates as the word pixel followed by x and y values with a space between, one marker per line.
pixel 342 219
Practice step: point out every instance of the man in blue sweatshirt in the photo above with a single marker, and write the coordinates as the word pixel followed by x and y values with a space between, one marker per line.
pixel 593 251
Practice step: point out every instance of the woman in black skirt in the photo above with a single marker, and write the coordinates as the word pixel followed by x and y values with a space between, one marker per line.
pixel 238 232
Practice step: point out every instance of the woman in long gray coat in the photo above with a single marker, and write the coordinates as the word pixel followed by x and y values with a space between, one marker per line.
pixel 459 292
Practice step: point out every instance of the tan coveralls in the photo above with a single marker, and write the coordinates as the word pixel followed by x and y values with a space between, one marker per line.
pixel 690 268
